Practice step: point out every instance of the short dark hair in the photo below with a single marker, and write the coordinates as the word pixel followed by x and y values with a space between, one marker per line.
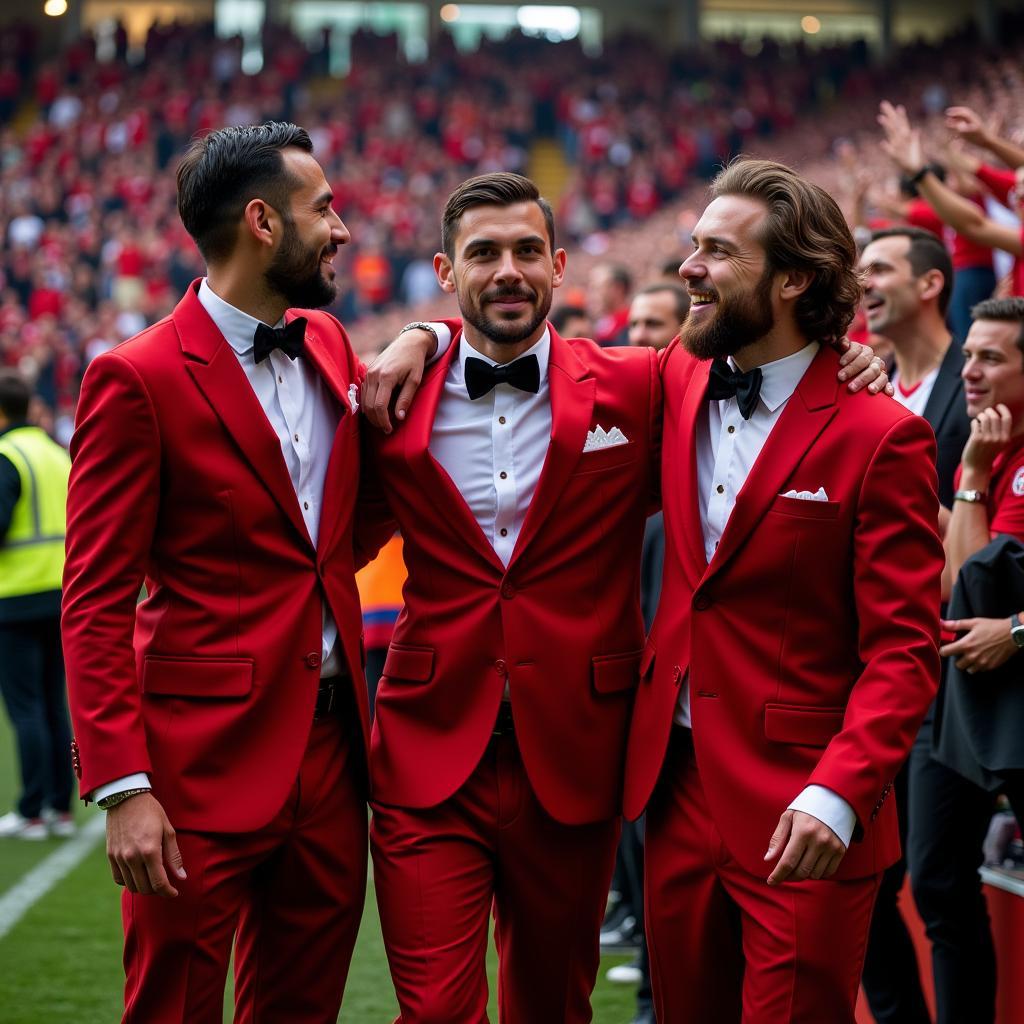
pixel 15 395
pixel 502 188
pixel 223 171
pixel 1008 310
pixel 561 315
pixel 805 230
pixel 678 293
pixel 620 275
pixel 926 252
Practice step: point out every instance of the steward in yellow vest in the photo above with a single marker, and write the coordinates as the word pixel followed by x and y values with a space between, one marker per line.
pixel 33 495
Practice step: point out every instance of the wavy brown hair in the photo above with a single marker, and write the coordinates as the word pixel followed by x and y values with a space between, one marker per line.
pixel 805 230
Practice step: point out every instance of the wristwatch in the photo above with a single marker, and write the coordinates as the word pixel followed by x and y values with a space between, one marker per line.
pixel 419 325
pixel 119 798
pixel 972 497
pixel 1017 630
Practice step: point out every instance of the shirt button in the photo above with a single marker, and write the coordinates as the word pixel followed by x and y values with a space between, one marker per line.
pixel 296 437
pixel 732 429
pixel 720 489
pixel 504 532
pixel 503 475
pixel 280 380
pixel 501 419
pixel 305 504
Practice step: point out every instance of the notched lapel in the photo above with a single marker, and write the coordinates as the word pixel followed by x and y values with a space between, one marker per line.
pixel 691 416
pixel 573 393
pixel 808 412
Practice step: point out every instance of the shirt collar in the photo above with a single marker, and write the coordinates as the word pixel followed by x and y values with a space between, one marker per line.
pixel 238 328
pixel 780 377
pixel 541 349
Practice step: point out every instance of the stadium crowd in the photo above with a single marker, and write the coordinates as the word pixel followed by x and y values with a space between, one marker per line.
pixel 94 251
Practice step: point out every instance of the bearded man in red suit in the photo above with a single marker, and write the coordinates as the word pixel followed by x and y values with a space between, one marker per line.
pixel 223 723
pixel 795 648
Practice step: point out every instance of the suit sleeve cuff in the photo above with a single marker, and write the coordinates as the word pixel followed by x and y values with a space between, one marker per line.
pixel 140 780
pixel 444 339
pixel 830 809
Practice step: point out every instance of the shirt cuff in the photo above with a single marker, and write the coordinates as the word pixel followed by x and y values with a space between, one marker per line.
pixel 140 780
pixel 444 339
pixel 830 809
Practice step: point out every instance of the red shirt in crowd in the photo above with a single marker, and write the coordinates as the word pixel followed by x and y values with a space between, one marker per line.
pixel 1006 491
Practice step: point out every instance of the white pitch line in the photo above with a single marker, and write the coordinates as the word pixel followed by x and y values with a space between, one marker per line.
pixel 24 894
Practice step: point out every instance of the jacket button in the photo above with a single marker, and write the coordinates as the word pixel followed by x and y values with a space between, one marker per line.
pixel 507 590
pixel 677 675
pixel 702 602
pixel 312 660
pixel 500 667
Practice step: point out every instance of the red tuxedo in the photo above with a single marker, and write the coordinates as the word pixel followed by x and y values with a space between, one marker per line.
pixel 209 685
pixel 810 641
pixel 562 622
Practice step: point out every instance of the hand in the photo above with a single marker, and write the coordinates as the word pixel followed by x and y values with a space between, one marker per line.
pixel 141 845
pixel 985 645
pixel 810 849
pixel 966 124
pixel 991 431
pixel 400 364
pixel 860 363
pixel 902 143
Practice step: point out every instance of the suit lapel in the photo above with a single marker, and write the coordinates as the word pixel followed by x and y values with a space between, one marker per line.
pixel 692 415
pixel 807 413
pixel 213 365
pixel 434 482
pixel 947 389
pixel 572 392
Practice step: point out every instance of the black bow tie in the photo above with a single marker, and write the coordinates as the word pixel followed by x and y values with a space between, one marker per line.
pixel 481 376
pixel 290 339
pixel 728 383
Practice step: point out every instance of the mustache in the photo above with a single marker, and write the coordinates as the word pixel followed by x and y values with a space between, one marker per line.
pixel 501 294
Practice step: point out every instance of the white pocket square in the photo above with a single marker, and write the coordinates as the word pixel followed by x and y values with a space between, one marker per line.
pixel 599 438
pixel 353 397
pixel 818 495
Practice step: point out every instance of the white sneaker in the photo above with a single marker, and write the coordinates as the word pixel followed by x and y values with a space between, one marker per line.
pixel 15 826
pixel 624 974
pixel 59 823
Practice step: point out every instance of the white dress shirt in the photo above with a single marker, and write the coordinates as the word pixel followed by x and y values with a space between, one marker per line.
pixel 727 448
pixel 494 448
pixel 305 416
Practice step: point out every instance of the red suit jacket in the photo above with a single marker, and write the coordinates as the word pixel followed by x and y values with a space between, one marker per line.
pixel 563 620
pixel 811 638
pixel 178 480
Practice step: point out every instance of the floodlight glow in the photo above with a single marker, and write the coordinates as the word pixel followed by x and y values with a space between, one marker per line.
pixel 450 12
pixel 55 8
pixel 564 21
pixel 810 24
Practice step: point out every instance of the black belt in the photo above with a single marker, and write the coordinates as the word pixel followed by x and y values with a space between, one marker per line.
pixel 329 697
pixel 503 724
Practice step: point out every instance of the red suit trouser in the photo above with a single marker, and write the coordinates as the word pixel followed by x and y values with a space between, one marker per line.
pixel 292 892
pixel 437 873
pixel 726 947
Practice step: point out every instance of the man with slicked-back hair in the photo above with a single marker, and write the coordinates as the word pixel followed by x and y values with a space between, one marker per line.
pixel 223 722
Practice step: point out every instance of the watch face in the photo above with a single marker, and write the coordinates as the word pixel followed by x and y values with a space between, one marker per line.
pixel 1017 632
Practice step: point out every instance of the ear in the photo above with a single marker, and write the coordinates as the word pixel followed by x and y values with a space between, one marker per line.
pixel 793 284
pixel 445 272
pixel 262 222
pixel 558 272
pixel 930 284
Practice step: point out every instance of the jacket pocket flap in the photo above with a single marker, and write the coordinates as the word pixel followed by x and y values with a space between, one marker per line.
pixel 802 726
pixel 617 672
pixel 196 677
pixel 413 663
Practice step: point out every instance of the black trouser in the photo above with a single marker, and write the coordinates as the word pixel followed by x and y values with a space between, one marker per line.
pixel 32 683
pixel 891 980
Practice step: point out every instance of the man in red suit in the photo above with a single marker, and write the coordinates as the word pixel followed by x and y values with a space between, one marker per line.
pixel 521 482
pixel 795 648
pixel 223 722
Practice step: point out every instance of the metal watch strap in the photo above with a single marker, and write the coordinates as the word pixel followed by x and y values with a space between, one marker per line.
pixel 1017 629
pixel 119 798
pixel 419 325
pixel 970 496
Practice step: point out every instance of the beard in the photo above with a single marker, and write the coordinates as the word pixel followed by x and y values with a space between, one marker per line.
pixel 512 332
pixel 735 323
pixel 296 274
